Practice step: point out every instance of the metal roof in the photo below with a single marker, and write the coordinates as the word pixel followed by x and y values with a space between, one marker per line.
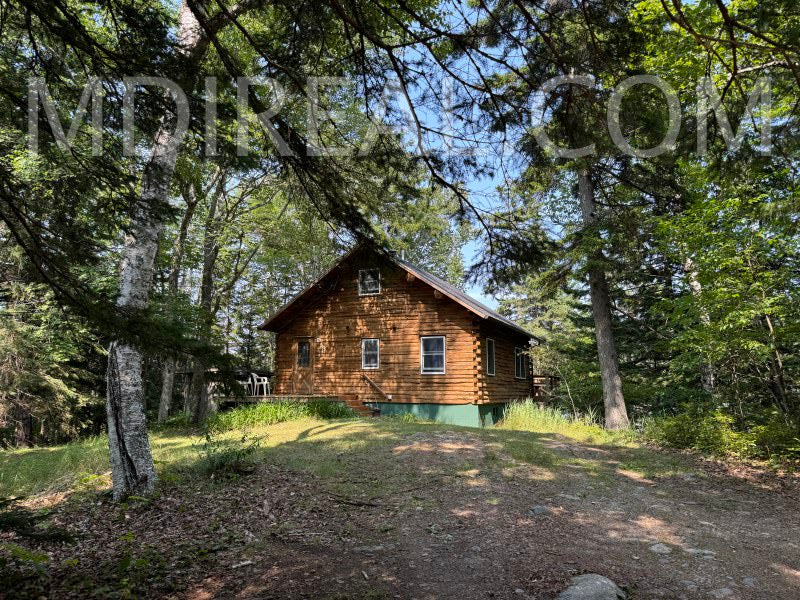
pixel 459 296
pixel 432 280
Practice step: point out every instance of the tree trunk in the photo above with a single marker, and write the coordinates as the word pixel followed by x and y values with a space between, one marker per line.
pixel 167 386
pixel 198 401
pixel 23 428
pixel 707 377
pixel 178 250
pixel 132 470
pixel 616 415
pixel 777 382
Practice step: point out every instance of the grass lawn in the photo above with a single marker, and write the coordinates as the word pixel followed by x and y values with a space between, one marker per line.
pixel 382 508
pixel 309 444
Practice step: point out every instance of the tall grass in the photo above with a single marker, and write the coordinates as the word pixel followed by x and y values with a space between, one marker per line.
pixel 527 415
pixel 34 470
pixel 85 463
pixel 254 415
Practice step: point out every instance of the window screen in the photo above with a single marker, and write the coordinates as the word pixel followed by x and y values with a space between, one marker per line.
pixel 370 353
pixel 520 363
pixel 490 366
pixel 432 354
pixel 369 282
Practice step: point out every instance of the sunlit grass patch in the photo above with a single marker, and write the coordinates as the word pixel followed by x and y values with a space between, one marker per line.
pixel 531 451
pixel 651 464
pixel 269 413
pixel 527 415
pixel 378 455
pixel 34 470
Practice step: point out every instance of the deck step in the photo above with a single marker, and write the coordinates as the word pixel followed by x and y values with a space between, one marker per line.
pixel 357 405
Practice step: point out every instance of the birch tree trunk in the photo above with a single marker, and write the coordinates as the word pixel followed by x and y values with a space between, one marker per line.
pixel 707 377
pixel 132 469
pixel 616 415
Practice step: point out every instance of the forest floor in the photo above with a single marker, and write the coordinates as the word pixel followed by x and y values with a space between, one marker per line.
pixel 383 509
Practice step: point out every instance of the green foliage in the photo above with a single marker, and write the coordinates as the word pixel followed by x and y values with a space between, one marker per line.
pixel 268 413
pixel 407 418
pixel 225 456
pixel 714 432
pixel 22 569
pixel 777 440
pixel 180 421
pixel 528 415
pixel 327 409
pixel 49 373
pixel 711 433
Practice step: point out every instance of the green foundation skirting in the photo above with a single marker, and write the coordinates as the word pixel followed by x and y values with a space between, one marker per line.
pixel 468 415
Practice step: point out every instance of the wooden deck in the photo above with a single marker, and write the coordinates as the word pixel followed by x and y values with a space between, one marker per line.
pixel 275 398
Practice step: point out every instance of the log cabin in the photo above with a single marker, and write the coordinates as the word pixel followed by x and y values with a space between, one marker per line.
pixel 377 331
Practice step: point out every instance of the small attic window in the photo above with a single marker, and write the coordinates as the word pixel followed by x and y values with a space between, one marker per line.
pixel 369 282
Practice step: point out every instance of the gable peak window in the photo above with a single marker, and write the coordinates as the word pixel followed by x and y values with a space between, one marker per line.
pixel 369 282
pixel 432 354
pixel 520 363
pixel 490 357
pixel 370 353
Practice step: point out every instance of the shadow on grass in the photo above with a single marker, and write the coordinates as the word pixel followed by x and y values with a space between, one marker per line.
pixel 449 487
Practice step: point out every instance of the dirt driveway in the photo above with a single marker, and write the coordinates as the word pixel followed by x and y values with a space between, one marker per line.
pixel 368 510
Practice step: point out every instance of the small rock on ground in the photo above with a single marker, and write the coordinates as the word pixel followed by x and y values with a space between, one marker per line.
pixel 592 587
pixel 539 510
pixel 660 549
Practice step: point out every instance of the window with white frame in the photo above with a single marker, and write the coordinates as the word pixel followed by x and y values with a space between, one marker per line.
pixel 520 363
pixel 490 360
pixel 432 354
pixel 370 353
pixel 369 282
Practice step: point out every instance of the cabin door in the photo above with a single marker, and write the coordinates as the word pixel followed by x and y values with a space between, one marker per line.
pixel 303 380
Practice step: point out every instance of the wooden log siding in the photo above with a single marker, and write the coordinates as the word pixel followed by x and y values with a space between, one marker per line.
pixel 337 319
pixel 398 316
pixel 503 386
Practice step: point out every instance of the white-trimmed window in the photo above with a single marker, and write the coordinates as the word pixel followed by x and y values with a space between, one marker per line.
pixel 490 357
pixel 369 282
pixel 432 354
pixel 520 363
pixel 370 353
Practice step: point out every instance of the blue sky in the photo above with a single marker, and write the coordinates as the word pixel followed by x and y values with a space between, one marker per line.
pixel 470 252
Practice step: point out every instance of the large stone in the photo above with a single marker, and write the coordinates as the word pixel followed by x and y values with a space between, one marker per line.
pixel 592 587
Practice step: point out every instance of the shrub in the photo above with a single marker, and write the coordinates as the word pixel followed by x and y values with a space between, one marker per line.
pixel 179 421
pixel 778 441
pixel 406 417
pixel 219 456
pixel 327 409
pixel 711 433
pixel 269 413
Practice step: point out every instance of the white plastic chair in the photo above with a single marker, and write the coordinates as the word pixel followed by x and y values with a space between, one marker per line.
pixel 260 385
